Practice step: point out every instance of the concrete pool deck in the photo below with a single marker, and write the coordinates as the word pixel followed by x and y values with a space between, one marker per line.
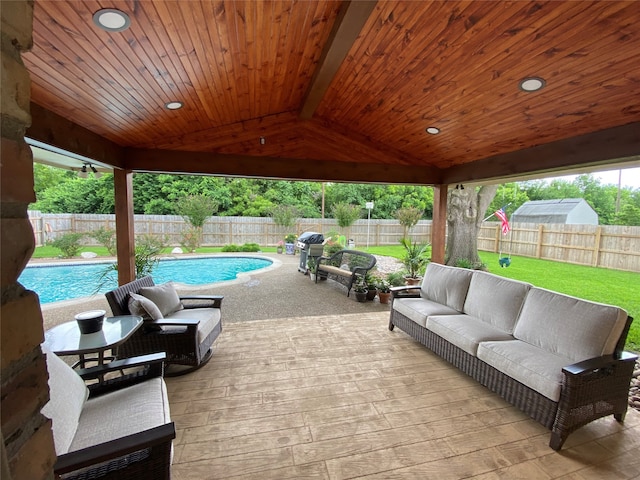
pixel 279 291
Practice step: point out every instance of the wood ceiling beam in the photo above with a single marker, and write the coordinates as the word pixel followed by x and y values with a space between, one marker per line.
pixel 52 129
pixel 171 161
pixel 599 148
pixel 348 25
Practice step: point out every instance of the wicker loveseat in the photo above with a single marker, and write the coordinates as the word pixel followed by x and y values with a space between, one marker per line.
pixel 344 267
pixel 558 358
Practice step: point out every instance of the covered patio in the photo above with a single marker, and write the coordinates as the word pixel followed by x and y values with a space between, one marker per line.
pixel 431 93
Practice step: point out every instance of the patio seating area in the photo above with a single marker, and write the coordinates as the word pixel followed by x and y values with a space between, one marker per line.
pixel 317 393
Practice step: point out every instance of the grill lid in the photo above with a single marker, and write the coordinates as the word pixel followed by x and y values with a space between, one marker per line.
pixel 311 237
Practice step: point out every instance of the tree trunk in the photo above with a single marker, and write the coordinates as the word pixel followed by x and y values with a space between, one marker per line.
pixel 465 212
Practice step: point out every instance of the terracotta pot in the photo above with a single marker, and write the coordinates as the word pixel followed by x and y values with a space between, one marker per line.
pixel 385 297
pixel 412 281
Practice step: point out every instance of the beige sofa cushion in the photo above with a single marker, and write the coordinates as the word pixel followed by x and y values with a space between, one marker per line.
pixel 532 366
pixel 446 285
pixel 68 394
pixel 142 306
pixel 419 309
pixel 568 326
pixel 464 331
pixel 122 412
pixel 495 300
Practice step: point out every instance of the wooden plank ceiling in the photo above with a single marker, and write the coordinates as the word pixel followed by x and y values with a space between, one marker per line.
pixel 331 86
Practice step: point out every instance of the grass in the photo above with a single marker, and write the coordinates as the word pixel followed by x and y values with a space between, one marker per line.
pixel 602 285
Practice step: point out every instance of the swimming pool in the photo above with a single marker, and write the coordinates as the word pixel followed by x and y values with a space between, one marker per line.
pixel 54 283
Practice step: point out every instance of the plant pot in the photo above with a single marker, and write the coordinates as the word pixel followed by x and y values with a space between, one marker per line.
pixel 361 296
pixel 385 297
pixel 312 276
pixel 90 321
pixel 371 294
pixel 412 280
pixel 290 248
pixel 279 249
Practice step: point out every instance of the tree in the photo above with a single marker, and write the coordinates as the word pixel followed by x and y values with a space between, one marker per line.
pixel 346 214
pixel 466 210
pixel 284 216
pixel 195 209
pixel 408 217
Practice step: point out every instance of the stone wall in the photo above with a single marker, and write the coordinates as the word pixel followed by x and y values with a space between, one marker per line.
pixel 27 451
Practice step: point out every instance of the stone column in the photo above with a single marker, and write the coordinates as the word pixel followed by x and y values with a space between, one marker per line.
pixel 28 450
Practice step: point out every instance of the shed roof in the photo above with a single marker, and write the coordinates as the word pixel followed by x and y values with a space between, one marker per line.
pixel 555 211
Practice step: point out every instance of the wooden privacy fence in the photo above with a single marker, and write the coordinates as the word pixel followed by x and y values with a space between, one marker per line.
pixel 611 246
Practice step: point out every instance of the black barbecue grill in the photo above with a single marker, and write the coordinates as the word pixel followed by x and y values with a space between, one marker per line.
pixel 310 244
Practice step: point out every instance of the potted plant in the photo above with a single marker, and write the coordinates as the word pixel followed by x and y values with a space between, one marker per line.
pixel 384 290
pixel 360 290
pixel 311 268
pixel 371 285
pixel 289 244
pixel 414 260
pixel 395 279
pixel 280 246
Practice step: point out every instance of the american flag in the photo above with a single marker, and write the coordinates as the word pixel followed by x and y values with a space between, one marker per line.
pixel 505 221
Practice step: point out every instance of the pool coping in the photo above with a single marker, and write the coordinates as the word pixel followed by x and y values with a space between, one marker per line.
pixel 241 278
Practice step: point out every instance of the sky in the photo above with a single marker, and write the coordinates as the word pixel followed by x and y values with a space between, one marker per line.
pixel 630 177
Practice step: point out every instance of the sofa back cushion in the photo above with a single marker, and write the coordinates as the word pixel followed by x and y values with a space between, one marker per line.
pixel 67 393
pixel 446 285
pixel 569 326
pixel 495 300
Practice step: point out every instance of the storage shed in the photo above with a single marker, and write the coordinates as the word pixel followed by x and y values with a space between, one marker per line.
pixel 568 211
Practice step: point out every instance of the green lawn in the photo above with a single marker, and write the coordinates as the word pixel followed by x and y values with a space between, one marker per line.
pixel 597 284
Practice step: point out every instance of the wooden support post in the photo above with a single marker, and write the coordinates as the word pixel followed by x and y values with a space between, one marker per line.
pixel 439 224
pixel 125 235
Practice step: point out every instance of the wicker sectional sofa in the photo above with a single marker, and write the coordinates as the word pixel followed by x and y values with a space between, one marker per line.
pixel 558 358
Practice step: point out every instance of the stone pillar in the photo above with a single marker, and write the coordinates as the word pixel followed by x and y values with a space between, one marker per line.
pixel 28 450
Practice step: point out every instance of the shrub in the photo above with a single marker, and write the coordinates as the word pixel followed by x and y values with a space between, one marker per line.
pixel 68 244
pixel 396 279
pixel 196 209
pixel 190 239
pixel 250 247
pixel 232 247
pixel 332 247
pixel 148 247
pixel 107 238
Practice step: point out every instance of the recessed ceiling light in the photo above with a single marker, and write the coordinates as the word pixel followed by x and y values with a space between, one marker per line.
pixel 173 105
pixel 111 20
pixel 532 84
pixel 433 130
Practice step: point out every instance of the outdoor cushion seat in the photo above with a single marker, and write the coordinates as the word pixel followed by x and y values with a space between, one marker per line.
pixel 464 331
pixel 186 330
pixel 420 309
pixel 120 428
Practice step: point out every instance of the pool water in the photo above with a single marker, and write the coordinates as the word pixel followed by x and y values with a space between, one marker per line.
pixel 54 283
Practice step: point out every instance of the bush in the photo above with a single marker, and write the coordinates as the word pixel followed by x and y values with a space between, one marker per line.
pixel 250 247
pixel 396 279
pixel 232 247
pixel 190 239
pixel 107 238
pixel 68 244
pixel 148 247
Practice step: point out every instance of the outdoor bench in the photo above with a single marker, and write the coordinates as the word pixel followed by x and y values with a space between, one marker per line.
pixel 557 358
pixel 345 267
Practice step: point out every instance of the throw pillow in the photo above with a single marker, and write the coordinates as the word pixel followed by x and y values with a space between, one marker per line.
pixel 164 296
pixel 139 305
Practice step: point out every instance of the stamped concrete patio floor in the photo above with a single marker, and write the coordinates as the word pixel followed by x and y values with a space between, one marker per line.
pixel 307 383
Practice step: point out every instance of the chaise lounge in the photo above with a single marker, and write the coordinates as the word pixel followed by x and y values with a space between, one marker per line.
pixel 558 358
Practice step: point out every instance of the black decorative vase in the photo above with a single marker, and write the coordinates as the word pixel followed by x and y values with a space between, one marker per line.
pixel 90 321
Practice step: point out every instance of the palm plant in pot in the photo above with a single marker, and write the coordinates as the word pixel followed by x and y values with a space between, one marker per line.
pixel 414 260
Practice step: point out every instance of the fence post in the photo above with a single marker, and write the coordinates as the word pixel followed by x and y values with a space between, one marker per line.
pixel 539 245
pixel 596 247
